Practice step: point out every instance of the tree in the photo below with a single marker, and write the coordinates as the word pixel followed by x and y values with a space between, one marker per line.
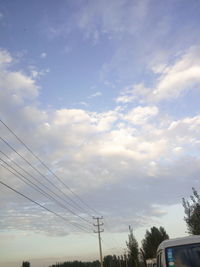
pixel 107 261
pixel 192 213
pixel 25 264
pixel 152 240
pixel 133 250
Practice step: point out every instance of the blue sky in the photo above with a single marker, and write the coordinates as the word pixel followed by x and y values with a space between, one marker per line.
pixel 106 93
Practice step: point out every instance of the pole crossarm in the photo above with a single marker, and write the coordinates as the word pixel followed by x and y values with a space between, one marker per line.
pixel 96 232
pixel 100 224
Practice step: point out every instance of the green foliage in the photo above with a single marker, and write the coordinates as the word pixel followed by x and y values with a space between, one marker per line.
pixel 108 261
pixel 26 264
pixel 151 242
pixel 133 249
pixel 111 261
pixel 77 264
pixel 192 213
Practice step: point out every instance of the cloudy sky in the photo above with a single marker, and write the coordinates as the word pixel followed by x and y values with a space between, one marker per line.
pixel 105 94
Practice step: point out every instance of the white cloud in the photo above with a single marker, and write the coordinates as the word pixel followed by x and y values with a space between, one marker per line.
pixel 83 103
pixel 179 77
pixel 43 55
pixel 15 84
pixel 35 73
pixel 137 33
pixel 95 95
pixel 126 96
pixel 70 116
pixel 29 219
pixel 104 121
pixel 178 149
pixel 173 80
pixel 158 210
pixel 112 17
pixel 5 58
pixel 185 127
pixel 109 158
pixel 132 93
pixel 140 115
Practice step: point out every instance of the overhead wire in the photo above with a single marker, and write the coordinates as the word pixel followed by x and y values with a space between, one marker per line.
pixel 108 245
pixel 60 180
pixel 21 168
pixel 114 244
pixel 33 167
pixel 38 189
pixel 40 205
pixel 47 195
pixel 112 235
pixel 49 170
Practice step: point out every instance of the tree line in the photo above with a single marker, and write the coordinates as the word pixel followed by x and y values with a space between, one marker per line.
pixel 77 264
pixel 136 256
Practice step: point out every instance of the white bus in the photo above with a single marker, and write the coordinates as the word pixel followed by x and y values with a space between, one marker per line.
pixel 179 252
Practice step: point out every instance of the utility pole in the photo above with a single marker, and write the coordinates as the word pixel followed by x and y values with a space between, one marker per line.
pixel 99 231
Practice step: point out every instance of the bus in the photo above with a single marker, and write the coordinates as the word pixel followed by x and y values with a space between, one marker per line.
pixel 179 252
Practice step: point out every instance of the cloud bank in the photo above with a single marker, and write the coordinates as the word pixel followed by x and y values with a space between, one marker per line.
pixel 112 159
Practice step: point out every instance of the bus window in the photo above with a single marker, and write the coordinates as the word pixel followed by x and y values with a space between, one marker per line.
pixel 185 255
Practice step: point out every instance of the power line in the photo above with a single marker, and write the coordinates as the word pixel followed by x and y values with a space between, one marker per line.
pixel 112 236
pixel 50 171
pixel 11 147
pixel 43 193
pixel 21 168
pixel 38 189
pixel 80 199
pixel 38 204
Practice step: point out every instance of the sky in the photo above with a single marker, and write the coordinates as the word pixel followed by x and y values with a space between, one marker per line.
pixel 106 95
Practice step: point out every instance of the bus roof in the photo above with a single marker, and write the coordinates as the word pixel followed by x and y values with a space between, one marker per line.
pixel 179 241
